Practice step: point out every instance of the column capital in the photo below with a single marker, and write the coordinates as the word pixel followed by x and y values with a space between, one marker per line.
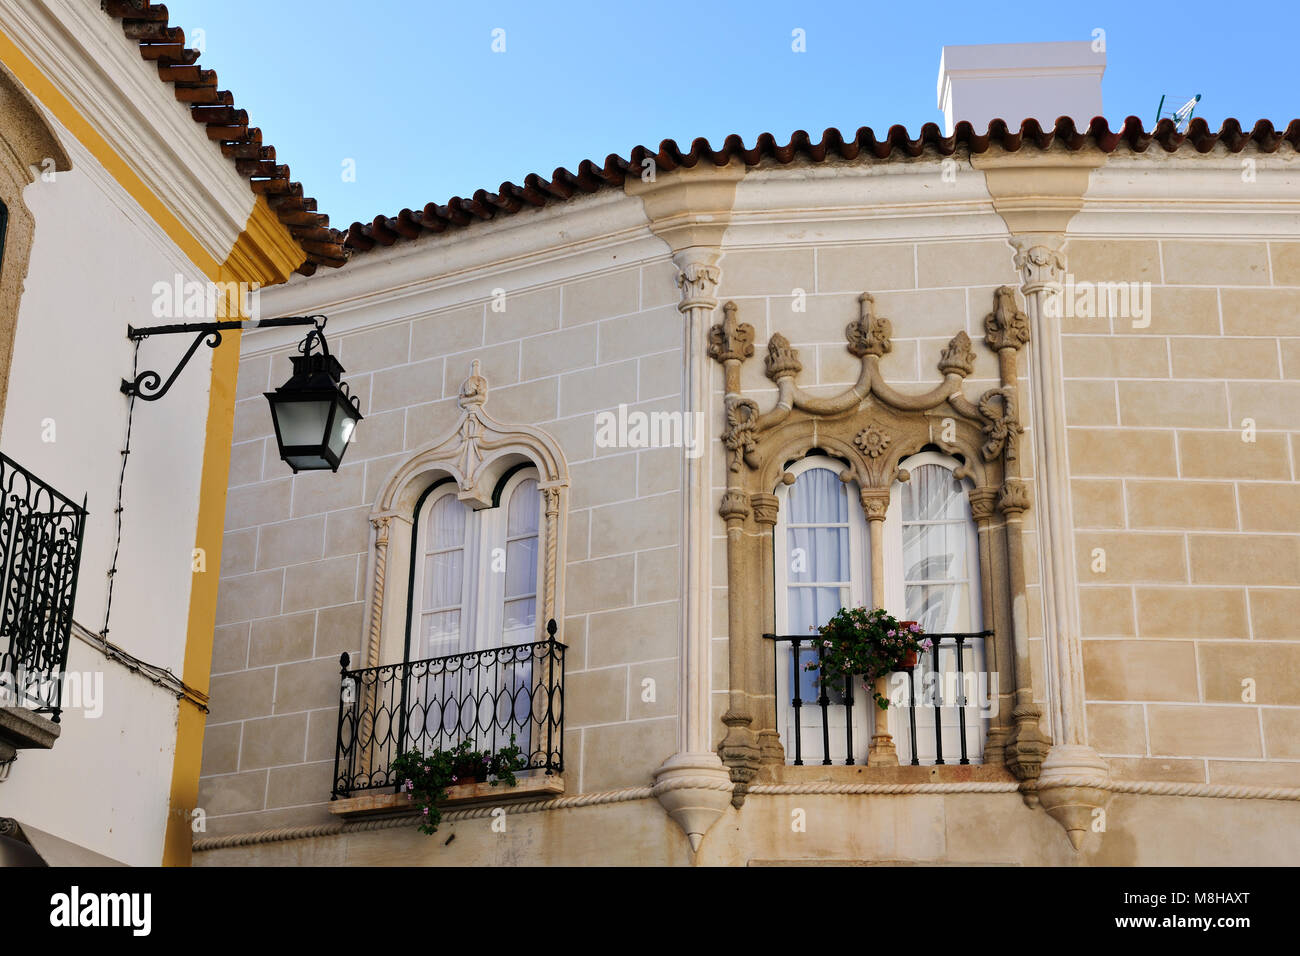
pixel 982 501
pixel 697 278
pixel 1039 260
pixel 765 507
pixel 875 503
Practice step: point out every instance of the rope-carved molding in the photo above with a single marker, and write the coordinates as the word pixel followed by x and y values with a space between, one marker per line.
pixel 631 794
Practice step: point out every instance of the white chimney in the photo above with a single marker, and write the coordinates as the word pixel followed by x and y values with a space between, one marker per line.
pixel 1016 81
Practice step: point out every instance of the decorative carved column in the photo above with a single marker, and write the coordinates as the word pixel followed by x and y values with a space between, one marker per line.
pixel 693 785
pixel 730 343
pixel 369 694
pixel 762 664
pixel 875 503
pixel 1042 265
pixel 982 504
pixel 1037 196
pixel 552 550
pixel 1027 746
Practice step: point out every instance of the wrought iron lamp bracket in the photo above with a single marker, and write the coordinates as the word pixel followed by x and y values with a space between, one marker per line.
pixel 146 386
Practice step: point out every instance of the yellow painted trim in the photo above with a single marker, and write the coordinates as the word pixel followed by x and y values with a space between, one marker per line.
pixel 39 85
pixel 265 252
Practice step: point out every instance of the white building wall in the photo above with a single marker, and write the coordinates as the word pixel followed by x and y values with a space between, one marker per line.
pixel 95 258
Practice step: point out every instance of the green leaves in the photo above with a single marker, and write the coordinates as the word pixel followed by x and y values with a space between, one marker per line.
pixel 426 776
pixel 867 644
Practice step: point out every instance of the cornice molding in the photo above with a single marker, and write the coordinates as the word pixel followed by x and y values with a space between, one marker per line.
pixel 89 61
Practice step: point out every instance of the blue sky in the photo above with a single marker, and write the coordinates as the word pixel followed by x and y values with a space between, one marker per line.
pixel 413 93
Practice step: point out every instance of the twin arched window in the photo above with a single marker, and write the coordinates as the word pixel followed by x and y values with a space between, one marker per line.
pixel 474 573
pixel 930 575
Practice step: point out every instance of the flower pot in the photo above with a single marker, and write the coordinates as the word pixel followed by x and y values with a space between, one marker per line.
pixel 909 661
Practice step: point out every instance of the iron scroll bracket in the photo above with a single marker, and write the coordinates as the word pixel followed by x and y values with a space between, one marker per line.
pixel 149 386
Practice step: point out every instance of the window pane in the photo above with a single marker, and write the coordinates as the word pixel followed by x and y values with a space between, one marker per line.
pixel 817 497
pixel 940 608
pixel 521 614
pixel 441 633
pixel 525 509
pixel 521 567
pixel 443 575
pixel 519 609
pixel 933 494
pixel 934 552
pixel 446 524
pixel 818 554
pixel 809 608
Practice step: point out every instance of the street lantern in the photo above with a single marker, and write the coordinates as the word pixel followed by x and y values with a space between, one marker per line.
pixel 313 413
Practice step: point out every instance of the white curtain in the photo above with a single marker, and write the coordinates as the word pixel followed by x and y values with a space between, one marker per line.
pixel 443 578
pixel 818 568
pixel 936 528
pixel 522 521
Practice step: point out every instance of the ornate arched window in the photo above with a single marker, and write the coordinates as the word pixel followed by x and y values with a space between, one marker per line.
pixel 478 518
pixel 933 577
pixel 467 573
pixel 918 495
pixel 822 564
pixel 474 573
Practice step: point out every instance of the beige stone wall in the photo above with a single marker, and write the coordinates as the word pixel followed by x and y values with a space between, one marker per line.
pixel 295 573
pixel 880 830
pixel 1201 534
pixel 1200 528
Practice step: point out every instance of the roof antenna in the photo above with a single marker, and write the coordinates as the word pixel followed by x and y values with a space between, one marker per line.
pixel 1181 116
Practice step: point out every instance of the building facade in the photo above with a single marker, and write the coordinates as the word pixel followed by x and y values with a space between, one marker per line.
pixel 1029 388
pixel 117 206
pixel 630 435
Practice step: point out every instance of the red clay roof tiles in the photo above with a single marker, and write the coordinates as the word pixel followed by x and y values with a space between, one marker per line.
pixel 536 191
pixel 146 23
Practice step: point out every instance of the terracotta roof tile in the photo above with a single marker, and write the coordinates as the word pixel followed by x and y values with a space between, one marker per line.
pixel 147 24
pixel 897 144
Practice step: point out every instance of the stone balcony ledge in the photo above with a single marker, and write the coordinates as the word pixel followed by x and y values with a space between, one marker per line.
pixel 907 774
pixel 385 804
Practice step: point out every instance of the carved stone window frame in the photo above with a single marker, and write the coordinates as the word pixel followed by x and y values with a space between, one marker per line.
pixel 29 149
pixel 873 427
pixel 476 453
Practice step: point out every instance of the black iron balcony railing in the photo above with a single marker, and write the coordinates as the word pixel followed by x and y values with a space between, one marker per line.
pixel 945 691
pixel 40 552
pixel 485 697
